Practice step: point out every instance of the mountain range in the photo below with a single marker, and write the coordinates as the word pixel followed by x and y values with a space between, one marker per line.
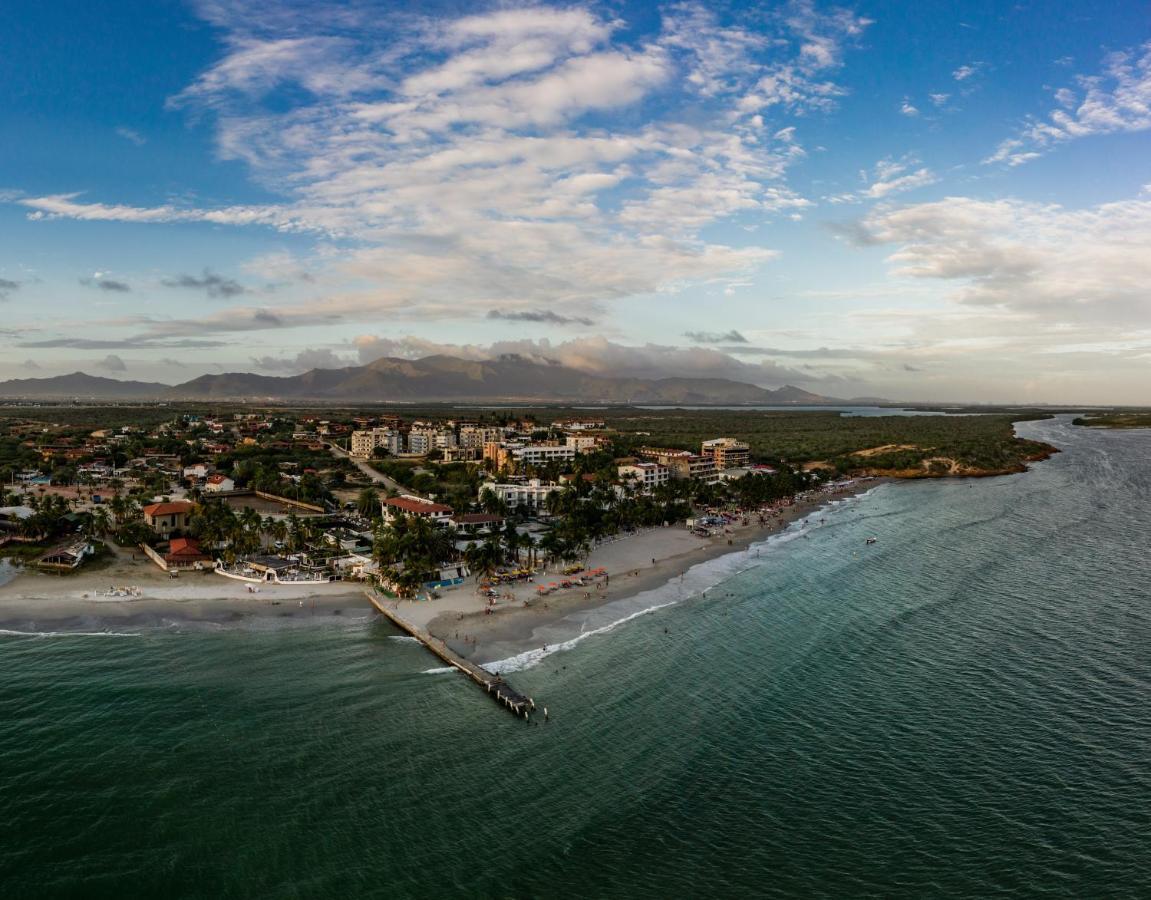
pixel 432 379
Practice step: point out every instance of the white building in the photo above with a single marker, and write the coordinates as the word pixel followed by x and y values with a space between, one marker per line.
pixel 542 454
pixel 582 443
pixel 198 470
pixel 475 436
pixel 645 476
pixel 532 495
pixel 416 506
pixel 219 484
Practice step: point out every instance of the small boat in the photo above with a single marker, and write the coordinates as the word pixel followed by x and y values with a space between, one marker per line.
pixel 872 540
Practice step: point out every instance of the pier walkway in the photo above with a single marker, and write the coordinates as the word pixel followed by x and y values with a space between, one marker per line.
pixel 495 686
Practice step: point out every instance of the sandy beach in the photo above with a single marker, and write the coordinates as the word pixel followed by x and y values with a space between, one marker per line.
pixel 36 600
pixel 633 564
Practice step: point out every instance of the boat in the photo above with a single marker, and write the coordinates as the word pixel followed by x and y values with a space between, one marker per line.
pixel 872 540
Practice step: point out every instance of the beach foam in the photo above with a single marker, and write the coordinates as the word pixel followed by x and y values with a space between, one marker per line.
pixel 695 582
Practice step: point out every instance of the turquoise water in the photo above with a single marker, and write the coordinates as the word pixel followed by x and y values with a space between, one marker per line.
pixel 959 710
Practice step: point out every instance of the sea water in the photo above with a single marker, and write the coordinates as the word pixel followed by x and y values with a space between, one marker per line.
pixel 959 709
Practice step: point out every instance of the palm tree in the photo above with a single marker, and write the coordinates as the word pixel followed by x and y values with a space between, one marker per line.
pixel 368 503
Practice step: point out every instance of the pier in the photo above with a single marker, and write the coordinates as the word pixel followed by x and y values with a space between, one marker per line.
pixel 495 686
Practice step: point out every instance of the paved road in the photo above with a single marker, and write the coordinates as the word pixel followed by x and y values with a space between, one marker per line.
pixel 369 473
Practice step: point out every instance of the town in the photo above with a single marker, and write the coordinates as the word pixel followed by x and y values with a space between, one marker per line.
pixel 412 507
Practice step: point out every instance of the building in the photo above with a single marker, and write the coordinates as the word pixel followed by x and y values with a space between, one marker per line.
pixel 473 523
pixel 198 470
pixel 579 425
pixel 219 484
pixel 645 476
pixel 476 437
pixel 164 518
pixel 185 553
pixel 682 463
pixel 461 454
pixel 728 453
pixel 532 495
pixel 582 443
pixel 66 556
pixel 365 443
pixel 408 505
pixel 542 454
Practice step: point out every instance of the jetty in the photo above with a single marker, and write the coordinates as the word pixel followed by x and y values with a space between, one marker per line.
pixel 495 686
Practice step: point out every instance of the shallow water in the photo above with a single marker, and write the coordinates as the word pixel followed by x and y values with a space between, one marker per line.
pixel 959 710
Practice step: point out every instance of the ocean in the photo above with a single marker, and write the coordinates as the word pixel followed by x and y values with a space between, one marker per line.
pixel 957 710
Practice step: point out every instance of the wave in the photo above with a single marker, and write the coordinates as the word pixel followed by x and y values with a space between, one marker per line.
pixel 531 658
pixel 8 632
pixel 405 638
pixel 714 572
pixel 443 670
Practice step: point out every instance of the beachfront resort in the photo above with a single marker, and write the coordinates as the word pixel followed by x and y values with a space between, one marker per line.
pixel 410 508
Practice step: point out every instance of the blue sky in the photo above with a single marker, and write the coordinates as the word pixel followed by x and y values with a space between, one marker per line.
pixel 938 202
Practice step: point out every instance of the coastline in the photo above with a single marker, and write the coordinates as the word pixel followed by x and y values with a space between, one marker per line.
pixel 517 630
pixel 520 622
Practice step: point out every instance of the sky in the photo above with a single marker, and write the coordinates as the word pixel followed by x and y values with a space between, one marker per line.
pixel 931 202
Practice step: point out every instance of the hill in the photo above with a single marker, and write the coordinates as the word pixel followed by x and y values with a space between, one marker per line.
pixel 81 386
pixel 508 378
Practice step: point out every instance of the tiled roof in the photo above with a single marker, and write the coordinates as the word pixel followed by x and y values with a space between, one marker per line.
pixel 408 504
pixel 176 507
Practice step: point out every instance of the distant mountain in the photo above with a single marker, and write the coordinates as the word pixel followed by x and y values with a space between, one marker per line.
pixel 508 378
pixel 80 386
pixel 428 380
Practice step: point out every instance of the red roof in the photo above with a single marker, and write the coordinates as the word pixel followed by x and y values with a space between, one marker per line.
pixel 217 478
pixel 183 548
pixel 176 507
pixel 420 507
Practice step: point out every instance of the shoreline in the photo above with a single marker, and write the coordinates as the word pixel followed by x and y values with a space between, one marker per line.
pixel 513 630
pixel 35 603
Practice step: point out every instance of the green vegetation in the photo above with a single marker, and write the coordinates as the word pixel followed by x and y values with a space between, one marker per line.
pixel 983 443
pixel 1116 420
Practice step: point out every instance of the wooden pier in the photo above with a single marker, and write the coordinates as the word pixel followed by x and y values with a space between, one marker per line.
pixel 495 686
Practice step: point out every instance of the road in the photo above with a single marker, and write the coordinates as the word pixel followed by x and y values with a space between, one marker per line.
pixel 369 473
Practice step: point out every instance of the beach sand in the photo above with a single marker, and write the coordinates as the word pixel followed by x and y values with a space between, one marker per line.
pixel 36 601
pixel 634 564
pixel 460 620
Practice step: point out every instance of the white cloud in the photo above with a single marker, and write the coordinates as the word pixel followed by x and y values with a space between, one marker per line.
pixel 133 136
pixel 1051 264
pixel 966 72
pixel 907 109
pixel 599 356
pixel 1116 100
pixel 506 159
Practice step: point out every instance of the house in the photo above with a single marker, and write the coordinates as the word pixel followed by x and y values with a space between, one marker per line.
pixel 199 471
pixel 185 553
pixel 219 484
pixel 471 523
pixel 66 556
pixel 407 505
pixel 164 518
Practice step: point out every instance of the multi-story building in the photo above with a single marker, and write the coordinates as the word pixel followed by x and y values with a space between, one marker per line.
pixel 645 476
pixel 475 436
pixel 364 443
pixel 542 454
pixel 682 463
pixel 532 495
pixel 582 443
pixel 164 518
pixel 728 453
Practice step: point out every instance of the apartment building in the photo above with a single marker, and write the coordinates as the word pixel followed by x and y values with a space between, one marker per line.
pixel 728 453
pixel 645 476
pixel 531 495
